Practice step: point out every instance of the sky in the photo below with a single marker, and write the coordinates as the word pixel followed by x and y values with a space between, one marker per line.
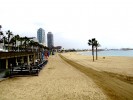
pixel 72 22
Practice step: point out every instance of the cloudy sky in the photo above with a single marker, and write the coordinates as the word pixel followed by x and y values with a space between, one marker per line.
pixel 72 22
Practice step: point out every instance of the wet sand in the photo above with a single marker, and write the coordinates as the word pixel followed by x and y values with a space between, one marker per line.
pixel 57 81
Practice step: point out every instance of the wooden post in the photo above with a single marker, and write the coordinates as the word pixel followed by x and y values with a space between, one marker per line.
pixel 16 61
pixel 34 58
pixel 22 60
pixel 28 60
pixel 6 63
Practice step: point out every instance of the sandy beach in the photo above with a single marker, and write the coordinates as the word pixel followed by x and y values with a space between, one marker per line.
pixel 57 81
pixel 70 76
pixel 112 74
pixel 119 65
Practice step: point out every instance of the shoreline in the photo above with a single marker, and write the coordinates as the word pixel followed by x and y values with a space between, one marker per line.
pixel 112 53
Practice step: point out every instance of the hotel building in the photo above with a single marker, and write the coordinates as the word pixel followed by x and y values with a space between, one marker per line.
pixel 41 36
pixel 50 40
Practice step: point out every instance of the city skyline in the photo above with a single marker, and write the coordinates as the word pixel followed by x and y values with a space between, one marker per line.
pixel 73 22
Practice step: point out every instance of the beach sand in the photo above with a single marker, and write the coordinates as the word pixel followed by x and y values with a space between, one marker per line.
pixel 113 64
pixel 57 81
pixel 112 74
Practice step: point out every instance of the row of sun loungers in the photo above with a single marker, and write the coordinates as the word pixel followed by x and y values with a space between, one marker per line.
pixel 28 70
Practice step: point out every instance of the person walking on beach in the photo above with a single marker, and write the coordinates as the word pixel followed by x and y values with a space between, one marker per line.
pixel 46 55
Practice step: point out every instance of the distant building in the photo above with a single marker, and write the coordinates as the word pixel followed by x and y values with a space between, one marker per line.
pixel 41 36
pixel 35 39
pixel 58 47
pixel 50 40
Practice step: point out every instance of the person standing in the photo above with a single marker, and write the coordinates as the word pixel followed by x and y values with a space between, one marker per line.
pixel 46 55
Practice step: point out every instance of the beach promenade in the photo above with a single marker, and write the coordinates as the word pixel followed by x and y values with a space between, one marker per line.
pixel 57 81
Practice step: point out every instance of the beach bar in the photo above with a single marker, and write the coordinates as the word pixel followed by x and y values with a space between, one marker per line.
pixel 16 58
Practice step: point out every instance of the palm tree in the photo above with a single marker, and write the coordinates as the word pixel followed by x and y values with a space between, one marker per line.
pixel 38 49
pixel 96 44
pixel 5 41
pixel 3 38
pixel 1 34
pixel 26 41
pixel 23 42
pixel 14 40
pixel 32 44
pixel 21 39
pixel 91 42
pixel 9 34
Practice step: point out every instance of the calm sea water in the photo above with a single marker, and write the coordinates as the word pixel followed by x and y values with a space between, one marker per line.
pixel 111 53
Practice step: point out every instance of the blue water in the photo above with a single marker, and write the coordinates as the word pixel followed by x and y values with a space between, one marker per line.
pixel 111 53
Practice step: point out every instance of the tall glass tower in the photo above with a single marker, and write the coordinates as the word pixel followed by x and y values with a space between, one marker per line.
pixel 50 40
pixel 41 36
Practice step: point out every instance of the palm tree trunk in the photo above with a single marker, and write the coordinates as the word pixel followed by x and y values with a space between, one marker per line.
pixel 24 44
pixel 93 52
pixel 4 43
pixel 4 46
pixel 96 53
pixel 15 46
pixel 32 48
pixel 21 45
pixel 8 44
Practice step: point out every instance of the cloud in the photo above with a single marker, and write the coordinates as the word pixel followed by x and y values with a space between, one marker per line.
pixel 72 22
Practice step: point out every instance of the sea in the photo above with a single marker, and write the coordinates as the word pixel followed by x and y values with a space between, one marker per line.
pixel 126 53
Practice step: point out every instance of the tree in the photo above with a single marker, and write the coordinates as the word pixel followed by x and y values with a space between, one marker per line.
pixel 26 41
pixel 91 42
pixel 21 39
pixel 96 44
pixel 15 39
pixel 23 42
pixel 1 34
pixel 32 44
pixel 5 42
pixel 3 38
pixel 12 41
pixel 9 34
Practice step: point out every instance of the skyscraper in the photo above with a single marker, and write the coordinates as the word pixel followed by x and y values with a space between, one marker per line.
pixel 41 36
pixel 50 40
